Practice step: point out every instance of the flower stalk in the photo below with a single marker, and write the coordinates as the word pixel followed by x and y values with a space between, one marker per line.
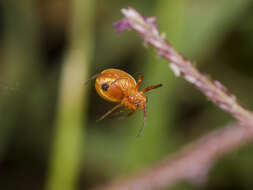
pixel 181 66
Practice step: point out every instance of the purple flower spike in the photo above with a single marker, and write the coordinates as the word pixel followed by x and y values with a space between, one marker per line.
pixel 214 90
pixel 150 20
pixel 121 25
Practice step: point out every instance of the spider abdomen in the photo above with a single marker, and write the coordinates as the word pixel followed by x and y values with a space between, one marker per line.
pixel 113 84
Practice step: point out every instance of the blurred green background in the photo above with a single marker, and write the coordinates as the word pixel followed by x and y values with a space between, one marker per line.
pixel 49 137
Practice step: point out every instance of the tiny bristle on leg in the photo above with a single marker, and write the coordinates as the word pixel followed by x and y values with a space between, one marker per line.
pixel 144 121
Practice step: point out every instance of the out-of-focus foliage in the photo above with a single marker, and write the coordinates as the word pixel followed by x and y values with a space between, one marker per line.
pixel 36 39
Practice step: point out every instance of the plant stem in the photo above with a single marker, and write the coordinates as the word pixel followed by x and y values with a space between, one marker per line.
pixel 181 66
pixel 67 150
pixel 191 163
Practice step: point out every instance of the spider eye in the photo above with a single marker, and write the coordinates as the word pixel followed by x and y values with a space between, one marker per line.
pixel 105 87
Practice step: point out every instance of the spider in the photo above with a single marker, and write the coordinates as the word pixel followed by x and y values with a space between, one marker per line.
pixel 115 85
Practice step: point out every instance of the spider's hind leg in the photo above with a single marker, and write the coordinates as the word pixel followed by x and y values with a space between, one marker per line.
pixel 109 112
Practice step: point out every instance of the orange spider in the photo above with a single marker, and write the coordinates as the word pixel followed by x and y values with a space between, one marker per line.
pixel 115 85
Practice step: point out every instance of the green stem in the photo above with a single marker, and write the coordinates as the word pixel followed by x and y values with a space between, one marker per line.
pixel 67 149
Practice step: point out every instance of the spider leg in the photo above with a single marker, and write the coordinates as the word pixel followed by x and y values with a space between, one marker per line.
pixel 139 81
pixel 120 111
pixel 144 121
pixel 109 112
pixel 150 88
